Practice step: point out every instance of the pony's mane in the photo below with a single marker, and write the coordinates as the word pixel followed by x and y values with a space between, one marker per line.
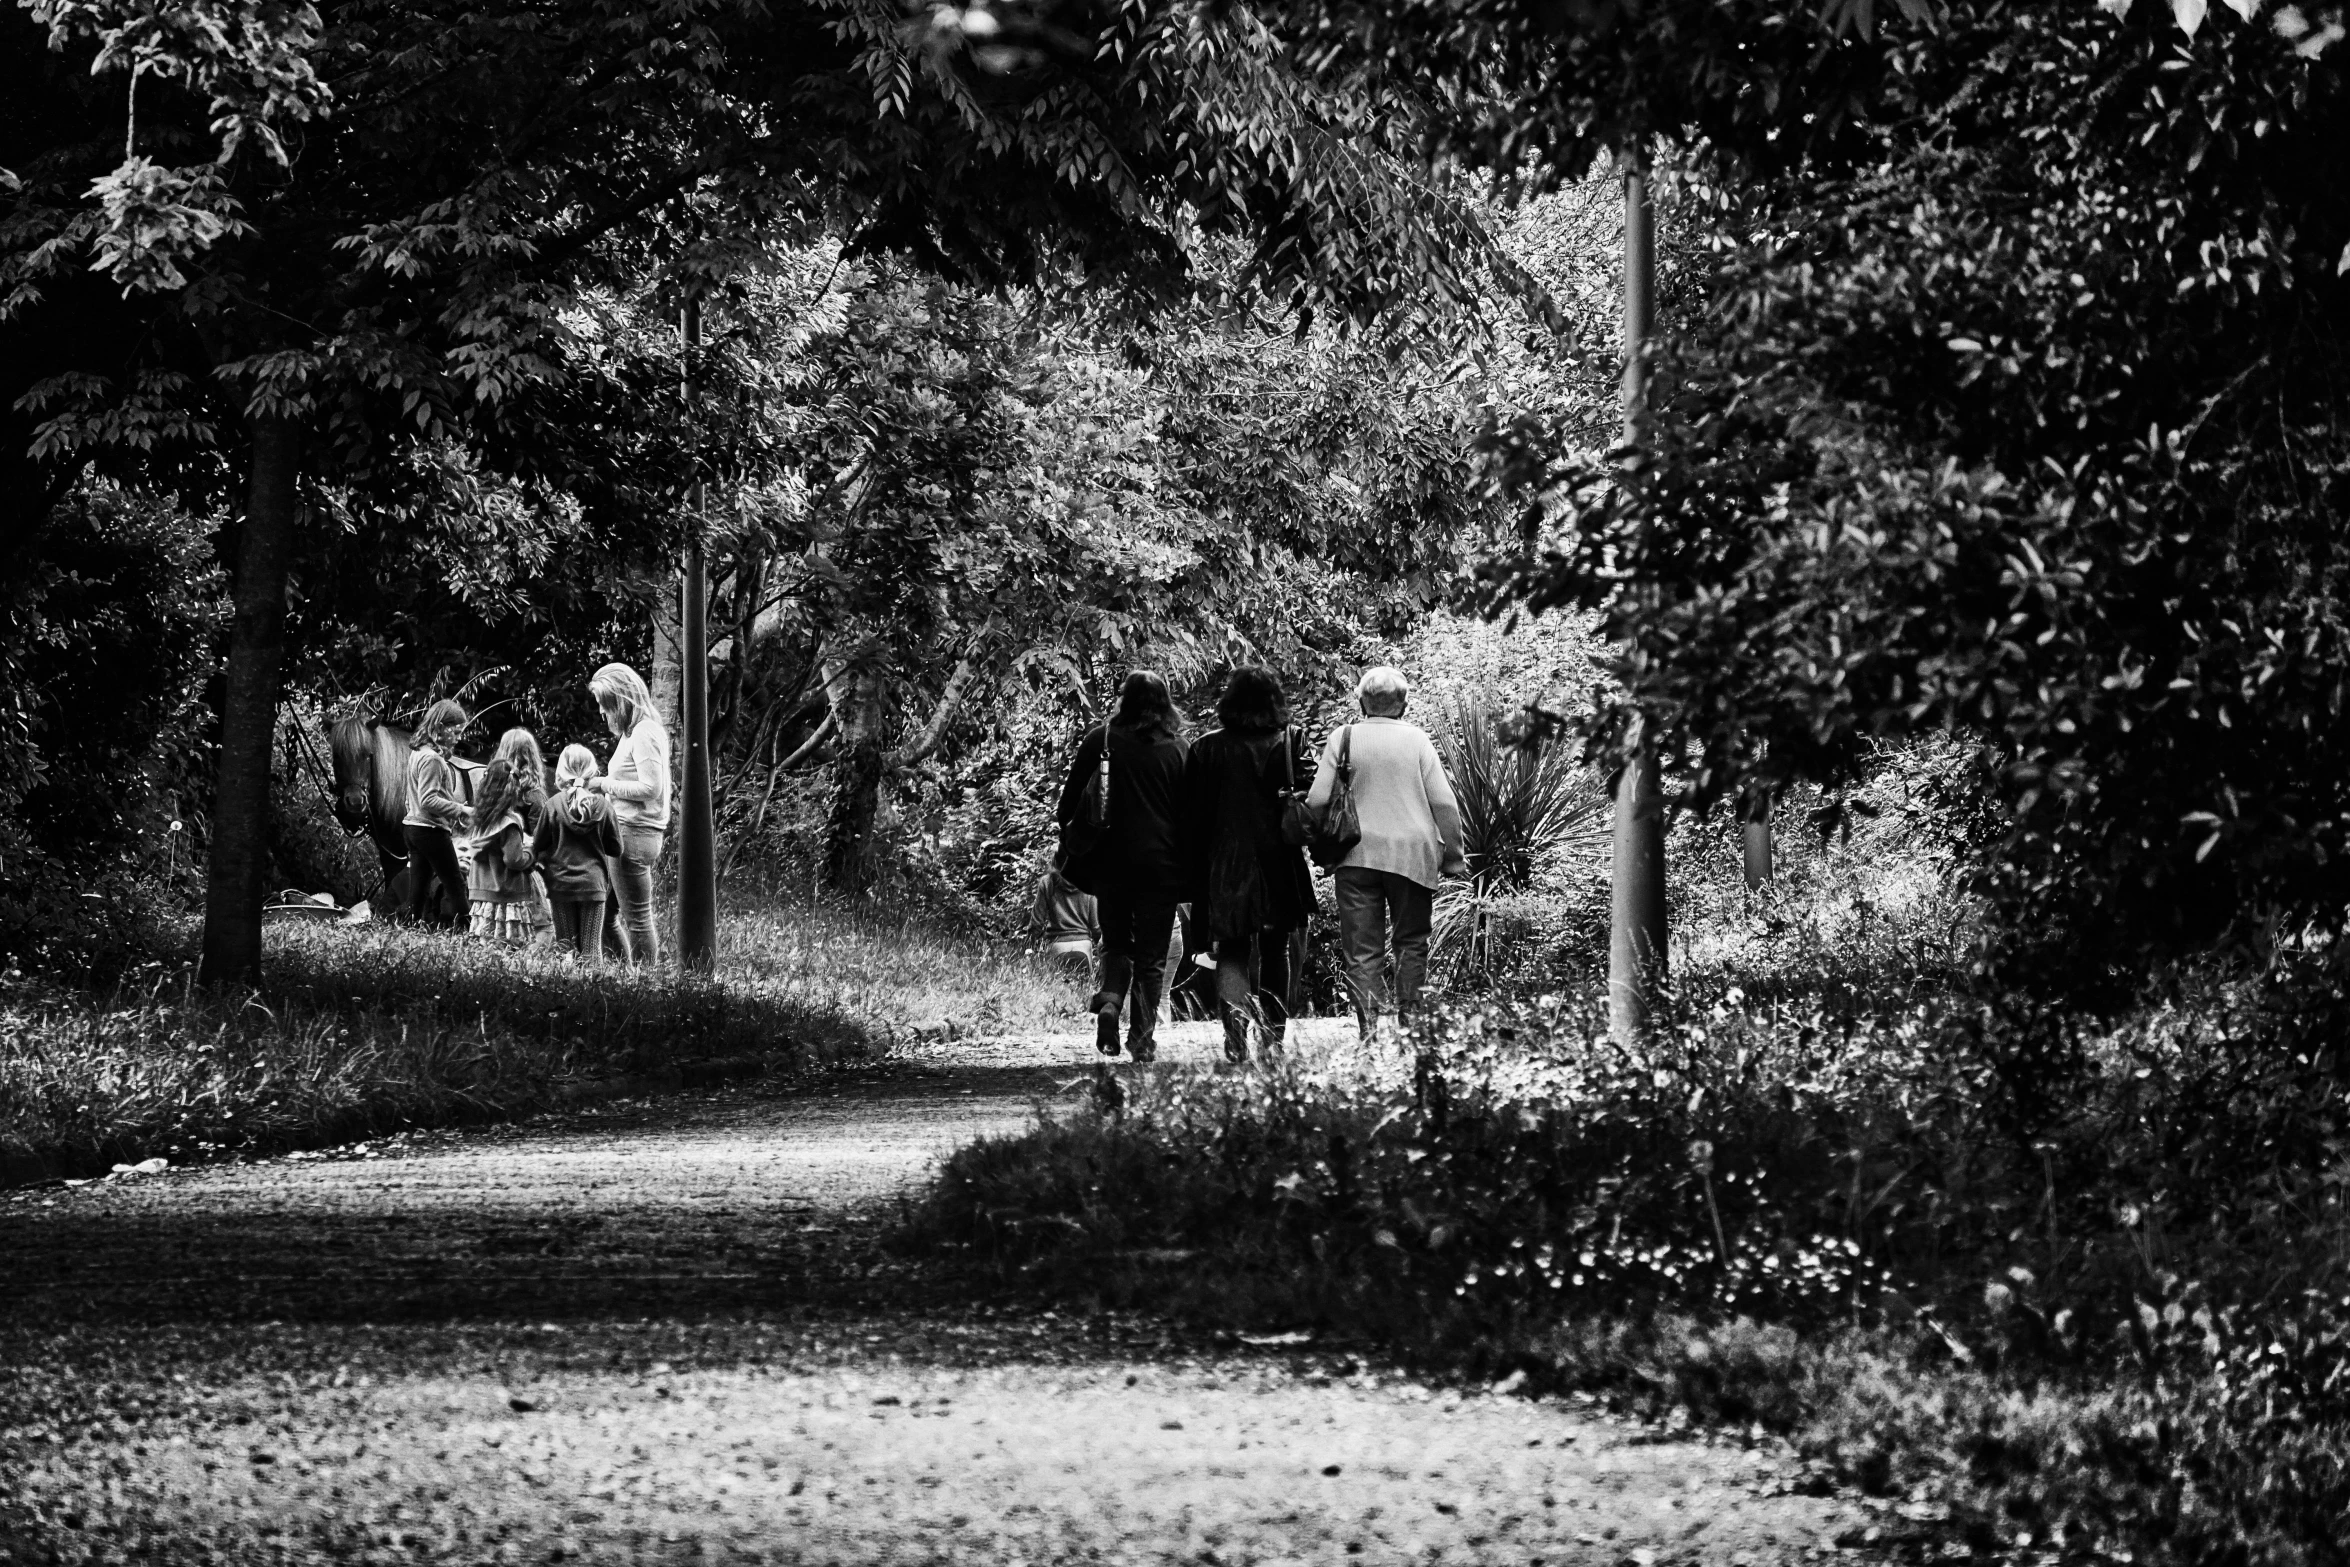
pixel 385 750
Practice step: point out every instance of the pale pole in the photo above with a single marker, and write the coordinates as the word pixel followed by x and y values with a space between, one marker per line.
pixel 1636 910
pixel 697 869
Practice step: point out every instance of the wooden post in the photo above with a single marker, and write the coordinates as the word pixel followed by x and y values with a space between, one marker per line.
pixel 697 871
pixel 1636 914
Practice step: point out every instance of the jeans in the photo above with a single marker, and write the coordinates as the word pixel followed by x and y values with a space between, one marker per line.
pixel 1370 904
pixel 1135 934
pixel 1253 984
pixel 632 887
pixel 432 856
pixel 579 925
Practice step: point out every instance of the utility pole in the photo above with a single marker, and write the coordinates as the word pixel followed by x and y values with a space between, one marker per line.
pixel 1636 911
pixel 697 871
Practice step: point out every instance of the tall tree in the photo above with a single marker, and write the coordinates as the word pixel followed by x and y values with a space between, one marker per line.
pixel 320 276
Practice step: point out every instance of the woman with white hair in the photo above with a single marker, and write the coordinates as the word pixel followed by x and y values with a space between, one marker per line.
pixel 637 780
pixel 1386 885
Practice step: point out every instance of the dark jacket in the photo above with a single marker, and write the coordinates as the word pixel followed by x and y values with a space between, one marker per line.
pixel 1141 858
pixel 575 833
pixel 1247 879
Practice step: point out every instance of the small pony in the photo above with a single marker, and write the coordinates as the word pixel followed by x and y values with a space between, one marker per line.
pixel 371 789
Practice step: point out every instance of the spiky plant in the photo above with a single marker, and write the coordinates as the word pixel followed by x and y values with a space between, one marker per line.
pixel 1522 804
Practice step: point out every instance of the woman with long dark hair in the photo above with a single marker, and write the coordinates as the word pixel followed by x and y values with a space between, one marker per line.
pixel 1138 873
pixel 437 817
pixel 1252 890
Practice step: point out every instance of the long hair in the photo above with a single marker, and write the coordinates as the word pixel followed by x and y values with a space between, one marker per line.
pixel 501 791
pixel 617 685
pixel 1145 708
pixel 443 722
pixel 1252 703
pixel 371 778
pixel 519 749
pixel 577 764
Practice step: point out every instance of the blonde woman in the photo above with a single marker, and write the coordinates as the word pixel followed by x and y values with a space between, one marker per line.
pixel 637 783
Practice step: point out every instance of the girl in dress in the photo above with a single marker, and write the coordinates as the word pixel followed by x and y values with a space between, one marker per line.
pixel 505 896
pixel 519 749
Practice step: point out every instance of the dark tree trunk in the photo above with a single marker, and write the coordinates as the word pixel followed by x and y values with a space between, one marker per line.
pixel 248 710
pixel 848 833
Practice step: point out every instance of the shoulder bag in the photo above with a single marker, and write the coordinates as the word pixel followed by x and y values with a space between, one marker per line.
pixel 1084 829
pixel 1338 827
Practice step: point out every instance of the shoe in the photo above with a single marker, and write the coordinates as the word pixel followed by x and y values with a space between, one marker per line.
pixel 1236 1039
pixel 1105 1024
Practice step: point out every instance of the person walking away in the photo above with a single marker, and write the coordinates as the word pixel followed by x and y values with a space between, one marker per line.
pixel 1252 890
pixel 637 782
pixel 504 899
pixel 1386 886
pixel 436 819
pixel 571 845
pixel 1138 874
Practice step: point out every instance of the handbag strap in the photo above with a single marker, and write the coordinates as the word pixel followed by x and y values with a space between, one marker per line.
pixel 1289 759
pixel 1105 767
pixel 1346 750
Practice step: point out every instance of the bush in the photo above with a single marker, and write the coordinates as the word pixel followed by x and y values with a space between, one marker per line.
pixel 113 606
pixel 1802 1215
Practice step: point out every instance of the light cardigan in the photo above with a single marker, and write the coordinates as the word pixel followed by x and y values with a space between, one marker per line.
pixel 638 779
pixel 1411 822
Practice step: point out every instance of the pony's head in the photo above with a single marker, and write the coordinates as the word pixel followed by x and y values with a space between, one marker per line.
pixel 351 742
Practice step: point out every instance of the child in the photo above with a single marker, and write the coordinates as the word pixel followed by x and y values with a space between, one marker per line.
pixel 436 817
pixel 571 844
pixel 505 901
pixel 519 749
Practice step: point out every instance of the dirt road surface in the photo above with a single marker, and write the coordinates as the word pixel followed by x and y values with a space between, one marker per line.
pixel 663 1331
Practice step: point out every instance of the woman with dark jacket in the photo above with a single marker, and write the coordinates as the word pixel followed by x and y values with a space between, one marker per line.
pixel 1252 890
pixel 1138 872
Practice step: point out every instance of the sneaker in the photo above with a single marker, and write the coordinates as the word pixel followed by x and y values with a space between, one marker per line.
pixel 1236 1040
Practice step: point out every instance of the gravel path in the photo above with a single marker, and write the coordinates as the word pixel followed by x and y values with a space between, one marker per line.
pixel 663 1331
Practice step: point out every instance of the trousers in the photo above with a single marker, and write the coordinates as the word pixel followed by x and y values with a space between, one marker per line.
pixel 579 925
pixel 1372 906
pixel 432 857
pixel 632 888
pixel 1135 934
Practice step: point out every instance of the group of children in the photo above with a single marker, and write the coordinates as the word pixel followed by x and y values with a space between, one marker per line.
pixel 538 861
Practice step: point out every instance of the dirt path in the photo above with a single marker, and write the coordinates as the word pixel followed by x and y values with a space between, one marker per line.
pixel 663 1331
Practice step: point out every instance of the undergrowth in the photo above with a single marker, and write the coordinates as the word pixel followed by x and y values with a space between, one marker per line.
pixel 359 1030
pixel 2119 1334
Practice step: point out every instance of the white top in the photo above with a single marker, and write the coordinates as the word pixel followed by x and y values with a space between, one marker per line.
pixel 1411 822
pixel 638 777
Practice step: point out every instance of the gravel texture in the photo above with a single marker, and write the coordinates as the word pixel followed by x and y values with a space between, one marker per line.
pixel 663 1330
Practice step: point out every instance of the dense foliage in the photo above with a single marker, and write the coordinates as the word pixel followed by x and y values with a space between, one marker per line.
pixel 2021 418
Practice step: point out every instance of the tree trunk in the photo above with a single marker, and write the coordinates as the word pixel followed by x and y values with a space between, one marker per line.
pixel 248 710
pixel 1636 913
pixel 848 831
pixel 1636 917
pixel 668 680
pixel 858 712
pixel 1755 830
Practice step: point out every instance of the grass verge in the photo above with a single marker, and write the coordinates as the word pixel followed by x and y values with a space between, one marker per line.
pixel 2120 1337
pixel 368 1029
